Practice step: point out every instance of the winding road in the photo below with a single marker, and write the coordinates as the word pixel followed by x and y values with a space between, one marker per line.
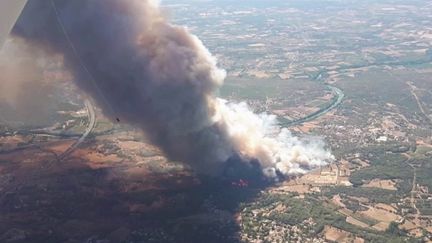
pixel 338 93
pixel 338 96
pixel 92 123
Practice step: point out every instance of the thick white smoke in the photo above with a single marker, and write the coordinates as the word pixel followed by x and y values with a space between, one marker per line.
pixel 260 137
pixel 161 78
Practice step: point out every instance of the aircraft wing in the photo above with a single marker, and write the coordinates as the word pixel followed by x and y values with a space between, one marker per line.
pixel 10 10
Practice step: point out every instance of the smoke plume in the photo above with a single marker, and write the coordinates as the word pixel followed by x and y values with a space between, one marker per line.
pixel 157 76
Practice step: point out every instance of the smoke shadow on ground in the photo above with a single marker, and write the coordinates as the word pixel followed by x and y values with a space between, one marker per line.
pixel 73 202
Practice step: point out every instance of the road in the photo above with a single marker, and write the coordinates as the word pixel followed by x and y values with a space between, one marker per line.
pixel 337 99
pixel 92 123
pixel 68 136
pixel 413 189
pixel 413 195
pixel 339 95
pixel 419 103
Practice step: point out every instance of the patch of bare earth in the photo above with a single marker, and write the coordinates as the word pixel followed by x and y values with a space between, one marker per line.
pixel 354 221
pixel 384 217
pixel 338 235
pixel 383 184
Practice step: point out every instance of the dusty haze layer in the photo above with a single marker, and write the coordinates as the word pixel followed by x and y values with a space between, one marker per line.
pixel 159 77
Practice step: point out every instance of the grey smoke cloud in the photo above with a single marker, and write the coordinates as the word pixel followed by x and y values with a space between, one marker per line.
pixel 159 77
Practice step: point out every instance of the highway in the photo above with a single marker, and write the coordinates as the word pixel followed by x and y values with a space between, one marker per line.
pixel 338 96
pixel 338 93
pixel 92 123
